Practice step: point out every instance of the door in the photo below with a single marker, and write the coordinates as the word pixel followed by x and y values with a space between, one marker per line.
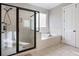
pixel 18 29
pixel 8 30
pixel 77 25
pixel 69 24
pixel 26 29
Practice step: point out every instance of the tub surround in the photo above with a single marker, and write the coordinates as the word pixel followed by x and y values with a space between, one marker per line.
pixel 46 42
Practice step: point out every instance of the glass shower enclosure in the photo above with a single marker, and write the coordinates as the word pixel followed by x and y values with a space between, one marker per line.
pixel 18 29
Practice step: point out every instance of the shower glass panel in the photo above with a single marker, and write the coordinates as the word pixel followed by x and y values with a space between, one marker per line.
pixel 8 30
pixel 26 29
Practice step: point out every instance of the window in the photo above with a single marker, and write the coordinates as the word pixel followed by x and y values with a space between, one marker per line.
pixel 40 21
pixel 37 22
pixel 43 19
pixel 26 23
pixel 43 24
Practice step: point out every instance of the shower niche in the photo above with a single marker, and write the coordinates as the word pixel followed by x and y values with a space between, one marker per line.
pixel 18 29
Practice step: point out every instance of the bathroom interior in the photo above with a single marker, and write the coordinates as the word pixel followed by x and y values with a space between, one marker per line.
pixel 39 29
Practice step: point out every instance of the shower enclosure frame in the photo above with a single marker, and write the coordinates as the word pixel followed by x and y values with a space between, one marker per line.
pixel 17 27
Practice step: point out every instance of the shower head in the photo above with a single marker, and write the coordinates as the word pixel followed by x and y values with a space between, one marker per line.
pixel 6 13
pixel 7 9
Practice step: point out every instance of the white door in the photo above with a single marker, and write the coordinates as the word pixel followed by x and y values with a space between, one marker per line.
pixel 69 24
pixel 77 25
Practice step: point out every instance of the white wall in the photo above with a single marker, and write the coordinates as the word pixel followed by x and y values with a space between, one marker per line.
pixel 56 20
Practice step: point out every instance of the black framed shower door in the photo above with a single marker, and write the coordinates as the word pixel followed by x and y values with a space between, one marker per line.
pixel 21 27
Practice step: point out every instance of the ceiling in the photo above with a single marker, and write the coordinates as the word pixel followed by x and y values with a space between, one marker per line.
pixel 46 5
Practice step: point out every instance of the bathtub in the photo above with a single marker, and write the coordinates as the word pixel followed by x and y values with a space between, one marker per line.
pixel 45 36
pixel 44 40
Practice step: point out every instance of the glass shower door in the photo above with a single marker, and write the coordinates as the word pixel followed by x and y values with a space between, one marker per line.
pixel 18 29
pixel 26 29
pixel 8 30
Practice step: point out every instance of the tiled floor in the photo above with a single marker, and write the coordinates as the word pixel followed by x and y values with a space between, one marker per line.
pixel 58 50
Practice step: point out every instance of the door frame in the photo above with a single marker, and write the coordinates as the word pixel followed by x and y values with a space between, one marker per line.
pixel 64 21
pixel 17 28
